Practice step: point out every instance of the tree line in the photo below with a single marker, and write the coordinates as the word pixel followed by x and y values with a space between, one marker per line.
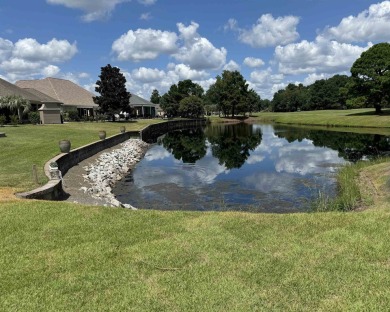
pixel 368 86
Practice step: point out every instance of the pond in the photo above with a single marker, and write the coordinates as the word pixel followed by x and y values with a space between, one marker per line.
pixel 246 167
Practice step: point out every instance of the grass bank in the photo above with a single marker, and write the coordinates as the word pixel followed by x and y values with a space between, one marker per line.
pixel 26 145
pixel 65 257
pixel 60 256
pixel 331 118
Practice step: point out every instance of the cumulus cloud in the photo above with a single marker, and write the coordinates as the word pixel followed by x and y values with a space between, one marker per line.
pixel 321 56
pixel 266 83
pixel 95 9
pixel 268 31
pixel 253 62
pixel 143 74
pixel 369 25
pixel 6 48
pixel 198 52
pixel 144 44
pixel 28 58
pixel 55 50
pixel 232 66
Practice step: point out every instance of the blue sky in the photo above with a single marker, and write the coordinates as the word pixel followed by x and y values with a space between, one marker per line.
pixel 157 43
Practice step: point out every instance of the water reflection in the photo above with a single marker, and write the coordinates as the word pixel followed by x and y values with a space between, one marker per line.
pixel 261 168
pixel 231 144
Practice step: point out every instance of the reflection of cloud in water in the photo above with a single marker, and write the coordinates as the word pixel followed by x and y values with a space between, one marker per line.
pixel 304 158
pixel 156 154
pixel 270 182
pixel 255 158
pixel 204 172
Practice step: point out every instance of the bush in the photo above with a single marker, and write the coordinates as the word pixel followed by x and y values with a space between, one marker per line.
pixel 73 115
pixel 3 120
pixel 33 117
pixel 14 120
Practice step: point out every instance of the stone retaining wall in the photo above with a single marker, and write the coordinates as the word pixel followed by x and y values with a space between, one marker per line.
pixel 53 189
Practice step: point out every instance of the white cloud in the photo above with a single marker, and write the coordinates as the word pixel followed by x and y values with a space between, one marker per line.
pixel 144 44
pixel 369 25
pixel 266 83
pixel 50 70
pixel 145 16
pixel 95 9
pixel 268 31
pixel 147 2
pixel 55 50
pixel 27 58
pixel 198 52
pixel 143 74
pixel 253 62
pixel 232 66
pixel 6 48
pixel 321 56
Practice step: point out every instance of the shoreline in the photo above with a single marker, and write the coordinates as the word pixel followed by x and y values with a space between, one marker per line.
pixel 90 182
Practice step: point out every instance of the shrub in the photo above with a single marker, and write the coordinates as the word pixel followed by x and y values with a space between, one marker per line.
pixel 73 115
pixel 3 120
pixel 34 118
pixel 14 120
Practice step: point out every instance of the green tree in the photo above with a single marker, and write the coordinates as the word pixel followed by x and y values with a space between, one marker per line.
pixel 170 101
pixel 155 97
pixel 253 101
pixel 114 97
pixel 230 93
pixel 16 103
pixel 371 73
pixel 191 106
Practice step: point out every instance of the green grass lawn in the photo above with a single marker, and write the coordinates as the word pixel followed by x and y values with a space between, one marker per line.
pixel 340 118
pixel 26 145
pixel 58 256
pixel 64 257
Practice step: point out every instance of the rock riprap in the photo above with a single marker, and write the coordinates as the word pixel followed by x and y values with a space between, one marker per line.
pixel 111 167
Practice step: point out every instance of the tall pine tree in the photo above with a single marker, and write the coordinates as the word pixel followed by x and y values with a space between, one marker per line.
pixel 114 97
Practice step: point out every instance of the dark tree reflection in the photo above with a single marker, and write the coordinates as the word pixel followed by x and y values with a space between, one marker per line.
pixel 231 143
pixel 186 145
pixel 350 146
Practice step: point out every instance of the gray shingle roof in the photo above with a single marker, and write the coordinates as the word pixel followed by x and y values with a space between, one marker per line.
pixel 135 100
pixel 7 88
pixel 62 90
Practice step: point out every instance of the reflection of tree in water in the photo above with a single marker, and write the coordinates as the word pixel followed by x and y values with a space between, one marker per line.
pixel 350 146
pixel 187 145
pixel 231 143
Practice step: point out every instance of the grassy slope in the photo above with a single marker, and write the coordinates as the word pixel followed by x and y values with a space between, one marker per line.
pixel 339 118
pixel 65 257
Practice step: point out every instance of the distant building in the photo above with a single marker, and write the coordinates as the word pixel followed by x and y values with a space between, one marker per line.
pixel 48 107
pixel 143 108
pixel 67 92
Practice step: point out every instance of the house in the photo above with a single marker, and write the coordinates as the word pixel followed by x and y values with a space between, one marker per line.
pixel 142 107
pixel 48 107
pixel 70 94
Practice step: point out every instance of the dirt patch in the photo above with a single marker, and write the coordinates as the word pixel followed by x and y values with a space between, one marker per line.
pixel 374 183
pixel 8 194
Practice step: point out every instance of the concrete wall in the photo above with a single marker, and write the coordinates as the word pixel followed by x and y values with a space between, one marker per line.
pixel 53 189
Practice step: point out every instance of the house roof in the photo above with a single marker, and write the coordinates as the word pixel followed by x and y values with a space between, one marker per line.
pixel 62 90
pixel 7 88
pixel 135 100
pixel 42 96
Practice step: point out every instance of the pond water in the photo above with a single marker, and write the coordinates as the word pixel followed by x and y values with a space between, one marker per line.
pixel 247 167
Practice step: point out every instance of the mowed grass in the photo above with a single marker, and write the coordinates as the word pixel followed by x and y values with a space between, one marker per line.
pixel 58 256
pixel 28 145
pixel 65 257
pixel 332 118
